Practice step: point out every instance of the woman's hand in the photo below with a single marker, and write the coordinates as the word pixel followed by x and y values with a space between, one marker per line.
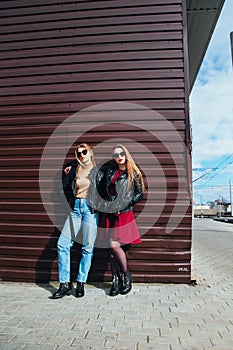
pixel 67 170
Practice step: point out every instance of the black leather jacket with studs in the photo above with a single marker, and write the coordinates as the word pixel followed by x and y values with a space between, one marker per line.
pixel 69 185
pixel 125 196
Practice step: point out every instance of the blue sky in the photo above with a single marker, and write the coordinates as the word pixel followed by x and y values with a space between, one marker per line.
pixel 211 113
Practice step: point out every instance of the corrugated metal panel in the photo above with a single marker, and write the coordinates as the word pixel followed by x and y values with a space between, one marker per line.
pixel 58 57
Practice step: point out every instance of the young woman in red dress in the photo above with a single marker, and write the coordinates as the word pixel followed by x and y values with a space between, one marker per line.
pixel 120 185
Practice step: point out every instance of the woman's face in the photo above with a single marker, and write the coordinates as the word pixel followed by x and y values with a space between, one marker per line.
pixel 119 156
pixel 83 155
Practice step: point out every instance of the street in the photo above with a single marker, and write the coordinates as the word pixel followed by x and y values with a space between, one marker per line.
pixel 212 251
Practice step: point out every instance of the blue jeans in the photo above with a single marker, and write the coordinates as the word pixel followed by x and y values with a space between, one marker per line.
pixel 80 217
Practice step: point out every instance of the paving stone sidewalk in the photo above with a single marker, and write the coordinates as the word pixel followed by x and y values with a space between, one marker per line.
pixel 151 317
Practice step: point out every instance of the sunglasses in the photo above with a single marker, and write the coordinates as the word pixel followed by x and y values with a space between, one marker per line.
pixel 82 153
pixel 117 155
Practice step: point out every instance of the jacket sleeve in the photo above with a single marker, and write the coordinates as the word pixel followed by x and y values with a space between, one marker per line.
pixel 67 181
pixel 101 180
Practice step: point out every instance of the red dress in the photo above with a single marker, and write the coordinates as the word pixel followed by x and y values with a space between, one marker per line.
pixel 120 227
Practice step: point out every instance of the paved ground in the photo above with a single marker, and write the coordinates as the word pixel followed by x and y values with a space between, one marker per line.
pixel 158 317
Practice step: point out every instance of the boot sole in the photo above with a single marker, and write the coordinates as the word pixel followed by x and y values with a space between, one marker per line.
pixel 79 295
pixel 60 296
pixel 114 294
pixel 126 292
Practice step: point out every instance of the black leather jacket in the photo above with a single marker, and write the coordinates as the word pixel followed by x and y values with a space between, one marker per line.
pixel 69 185
pixel 126 196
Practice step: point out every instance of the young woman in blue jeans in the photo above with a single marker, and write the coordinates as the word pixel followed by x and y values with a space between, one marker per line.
pixel 77 185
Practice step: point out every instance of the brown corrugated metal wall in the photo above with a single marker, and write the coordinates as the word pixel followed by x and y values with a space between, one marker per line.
pixel 58 57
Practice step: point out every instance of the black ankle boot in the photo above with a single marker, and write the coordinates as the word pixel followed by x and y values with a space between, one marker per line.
pixel 126 283
pixel 80 290
pixel 63 290
pixel 116 285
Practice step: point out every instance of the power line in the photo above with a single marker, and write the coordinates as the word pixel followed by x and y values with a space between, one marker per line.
pixel 204 175
pixel 212 187
pixel 221 166
pixel 224 167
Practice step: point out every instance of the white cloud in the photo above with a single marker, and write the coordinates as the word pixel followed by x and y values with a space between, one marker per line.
pixel 212 117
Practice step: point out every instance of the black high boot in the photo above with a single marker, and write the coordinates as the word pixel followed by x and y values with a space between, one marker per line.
pixel 80 290
pixel 63 290
pixel 116 286
pixel 126 283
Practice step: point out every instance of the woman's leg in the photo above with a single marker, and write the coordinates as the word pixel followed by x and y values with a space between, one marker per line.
pixel 119 259
pixel 119 256
pixel 89 237
pixel 115 268
pixel 63 250
pixel 68 235
pixel 89 228
pixel 116 275
pixel 119 253
pixel 65 242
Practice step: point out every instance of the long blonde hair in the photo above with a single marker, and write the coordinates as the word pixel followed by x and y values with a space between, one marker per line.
pixel 132 168
pixel 88 148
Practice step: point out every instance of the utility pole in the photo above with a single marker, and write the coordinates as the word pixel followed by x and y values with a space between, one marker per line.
pixel 231 204
pixel 220 207
pixel 231 38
